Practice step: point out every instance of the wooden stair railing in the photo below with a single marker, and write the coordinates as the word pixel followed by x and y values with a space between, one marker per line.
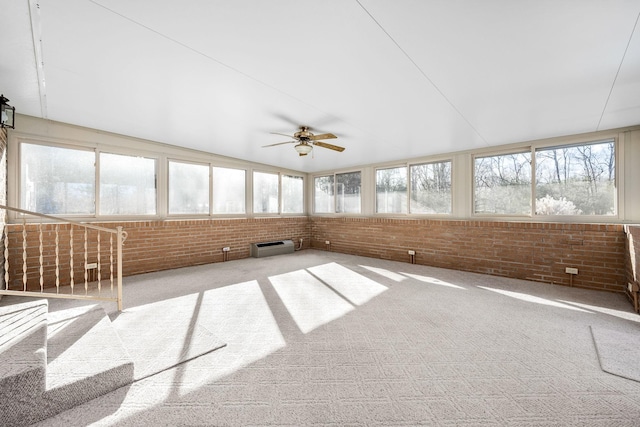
pixel 43 259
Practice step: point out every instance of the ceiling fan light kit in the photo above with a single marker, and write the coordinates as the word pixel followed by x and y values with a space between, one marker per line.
pixel 303 148
pixel 305 141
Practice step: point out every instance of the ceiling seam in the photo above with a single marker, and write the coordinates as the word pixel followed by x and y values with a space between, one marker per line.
pixel 615 79
pixel 36 36
pixel 217 61
pixel 423 73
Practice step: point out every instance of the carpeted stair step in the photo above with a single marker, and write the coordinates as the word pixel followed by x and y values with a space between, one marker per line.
pixel 23 355
pixel 85 359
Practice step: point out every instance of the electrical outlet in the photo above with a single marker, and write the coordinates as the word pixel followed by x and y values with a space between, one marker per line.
pixel 570 270
pixel 412 252
pixel 326 242
pixel 226 249
pixel 91 266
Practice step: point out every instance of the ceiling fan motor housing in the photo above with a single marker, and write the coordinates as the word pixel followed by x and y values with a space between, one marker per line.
pixel 303 133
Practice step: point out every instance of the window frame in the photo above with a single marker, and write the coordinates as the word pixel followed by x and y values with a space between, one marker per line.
pixel 157 174
pixel 280 175
pixel 19 183
pixel 168 192
pixel 282 195
pixel 335 193
pixel 580 217
pixel 520 150
pixel 212 195
pixel 410 191
pixel 532 149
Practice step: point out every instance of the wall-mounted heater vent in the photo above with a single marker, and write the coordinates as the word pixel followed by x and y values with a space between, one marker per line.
pixel 259 250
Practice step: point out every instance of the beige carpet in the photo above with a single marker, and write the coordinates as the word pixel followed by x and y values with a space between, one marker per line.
pixel 618 352
pixel 163 334
pixel 405 345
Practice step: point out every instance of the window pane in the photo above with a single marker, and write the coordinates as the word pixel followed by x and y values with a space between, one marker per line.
pixel 576 180
pixel 127 185
pixel 391 190
pixel 348 192
pixel 292 194
pixel 57 180
pixel 503 184
pixel 431 188
pixel 188 188
pixel 265 192
pixel 229 190
pixel 323 194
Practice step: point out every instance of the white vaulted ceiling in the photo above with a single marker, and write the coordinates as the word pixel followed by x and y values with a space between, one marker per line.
pixel 392 79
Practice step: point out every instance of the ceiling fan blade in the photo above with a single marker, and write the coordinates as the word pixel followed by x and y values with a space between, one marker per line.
pixel 323 136
pixel 282 134
pixel 329 146
pixel 279 143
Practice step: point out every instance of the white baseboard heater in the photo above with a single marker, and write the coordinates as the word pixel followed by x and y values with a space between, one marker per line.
pixel 278 247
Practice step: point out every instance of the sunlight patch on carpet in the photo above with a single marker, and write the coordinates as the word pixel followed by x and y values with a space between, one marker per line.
pixel 309 301
pixel 385 273
pixel 534 299
pixel 163 334
pixel 353 286
pixel 627 315
pixel 433 281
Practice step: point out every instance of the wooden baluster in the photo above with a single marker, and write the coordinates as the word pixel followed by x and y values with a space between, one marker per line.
pixel 86 261
pixel 6 257
pixel 71 257
pixel 111 261
pixel 57 258
pixel 99 265
pixel 24 255
pixel 41 259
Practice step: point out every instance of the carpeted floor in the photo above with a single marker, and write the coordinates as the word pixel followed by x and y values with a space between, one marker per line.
pixel 618 352
pixel 318 338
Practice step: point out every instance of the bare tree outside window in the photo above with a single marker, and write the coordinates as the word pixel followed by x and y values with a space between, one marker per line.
pixel 348 192
pixel 324 202
pixel 576 180
pixel 431 188
pixel 503 184
pixel 391 190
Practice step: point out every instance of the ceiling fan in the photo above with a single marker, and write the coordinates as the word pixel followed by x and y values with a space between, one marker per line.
pixel 305 141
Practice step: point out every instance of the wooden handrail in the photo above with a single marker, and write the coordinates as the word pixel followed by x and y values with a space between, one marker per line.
pixel 120 234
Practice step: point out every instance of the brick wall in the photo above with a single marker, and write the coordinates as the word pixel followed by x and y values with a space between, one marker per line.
pixel 150 245
pixel 533 251
pixel 632 258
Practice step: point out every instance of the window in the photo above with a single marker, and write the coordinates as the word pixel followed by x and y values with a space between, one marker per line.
pixel 292 194
pixel 339 193
pixel 391 190
pixel 503 184
pixel 188 188
pixel 576 180
pixel 348 192
pixel 430 188
pixel 265 192
pixel 229 191
pixel 57 180
pixel 324 201
pixel 127 185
